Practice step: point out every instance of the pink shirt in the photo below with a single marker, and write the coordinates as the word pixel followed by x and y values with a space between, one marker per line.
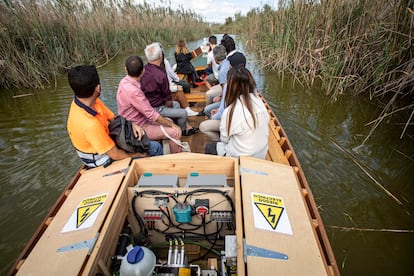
pixel 132 103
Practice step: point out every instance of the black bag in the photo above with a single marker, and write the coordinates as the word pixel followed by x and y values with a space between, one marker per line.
pixel 122 133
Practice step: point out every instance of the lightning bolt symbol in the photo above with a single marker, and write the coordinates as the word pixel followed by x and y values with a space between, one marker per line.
pixel 270 215
pixel 84 215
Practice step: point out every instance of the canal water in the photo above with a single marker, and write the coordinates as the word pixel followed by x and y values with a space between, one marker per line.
pixel 365 193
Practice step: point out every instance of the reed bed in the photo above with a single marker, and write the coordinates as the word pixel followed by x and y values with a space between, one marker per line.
pixel 40 39
pixel 355 47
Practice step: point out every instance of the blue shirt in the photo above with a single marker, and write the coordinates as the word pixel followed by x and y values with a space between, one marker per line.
pixel 222 106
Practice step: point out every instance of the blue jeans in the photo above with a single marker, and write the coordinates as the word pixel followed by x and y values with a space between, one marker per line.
pixel 155 149
pixel 176 113
pixel 208 108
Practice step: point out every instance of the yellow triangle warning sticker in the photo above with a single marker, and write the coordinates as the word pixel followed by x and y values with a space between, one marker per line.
pixel 271 213
pixel 85 212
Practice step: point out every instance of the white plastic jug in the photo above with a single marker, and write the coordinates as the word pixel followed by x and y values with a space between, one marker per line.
pixel 139 261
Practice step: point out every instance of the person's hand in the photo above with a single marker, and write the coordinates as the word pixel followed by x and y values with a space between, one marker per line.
pixel 216 99
pixel 169 103
pixel 138 131
pixel 177 128
pixel 213 112
pixel 139 155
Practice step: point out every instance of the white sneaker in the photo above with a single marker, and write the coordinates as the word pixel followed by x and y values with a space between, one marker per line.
pixel 190 112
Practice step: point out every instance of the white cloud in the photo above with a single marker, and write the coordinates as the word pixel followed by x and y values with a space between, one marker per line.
pixel 211 10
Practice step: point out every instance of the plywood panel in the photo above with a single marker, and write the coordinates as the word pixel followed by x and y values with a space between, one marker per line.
pixel 183 163
pixel 44 258
pixel 304 255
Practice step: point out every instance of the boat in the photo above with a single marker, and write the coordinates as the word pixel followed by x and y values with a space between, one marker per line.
pixel 186 214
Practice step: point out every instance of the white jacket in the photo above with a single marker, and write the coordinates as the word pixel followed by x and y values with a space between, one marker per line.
pixel 243 138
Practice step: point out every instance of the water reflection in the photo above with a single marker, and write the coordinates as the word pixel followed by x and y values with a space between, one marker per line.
pixel 37 161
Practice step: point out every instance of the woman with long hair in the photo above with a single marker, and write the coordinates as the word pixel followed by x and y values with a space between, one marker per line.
pixel 183 58
pixel 244 126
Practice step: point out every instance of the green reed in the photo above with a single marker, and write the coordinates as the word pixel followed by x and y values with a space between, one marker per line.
pixel 355 47
pixel 39 40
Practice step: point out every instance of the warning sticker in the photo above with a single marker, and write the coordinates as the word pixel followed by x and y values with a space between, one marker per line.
pixel 85 214
pixel 270 213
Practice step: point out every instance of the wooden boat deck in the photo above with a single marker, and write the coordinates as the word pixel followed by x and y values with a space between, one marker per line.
pixel 280 151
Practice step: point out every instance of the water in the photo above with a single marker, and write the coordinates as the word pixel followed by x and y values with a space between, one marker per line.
pixel 37 162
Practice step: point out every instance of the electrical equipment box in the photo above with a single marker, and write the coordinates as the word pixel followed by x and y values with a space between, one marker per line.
pixel 195 179
pixel 160 181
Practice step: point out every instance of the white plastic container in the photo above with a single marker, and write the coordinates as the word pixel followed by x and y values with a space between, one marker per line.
pixel 139 261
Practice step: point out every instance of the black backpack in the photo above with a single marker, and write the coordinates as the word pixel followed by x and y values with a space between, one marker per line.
pixel 121 132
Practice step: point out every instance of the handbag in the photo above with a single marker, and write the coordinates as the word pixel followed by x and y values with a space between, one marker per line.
pixel 122 133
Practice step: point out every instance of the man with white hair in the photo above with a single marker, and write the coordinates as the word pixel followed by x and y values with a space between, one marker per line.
pixel 155 85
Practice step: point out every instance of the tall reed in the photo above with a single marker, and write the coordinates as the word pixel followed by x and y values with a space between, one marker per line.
pixel 41 39
pixel 356 47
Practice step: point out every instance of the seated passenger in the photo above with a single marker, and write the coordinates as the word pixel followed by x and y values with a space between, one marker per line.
pixel 212 65
pixel 155 85
pixel 212 127
pixel 177 88
pixel 134 106
pixel 244 126
pixel 183 59
pixel 88 121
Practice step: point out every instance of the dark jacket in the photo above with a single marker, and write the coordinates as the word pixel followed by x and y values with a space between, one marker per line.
pixel 184 65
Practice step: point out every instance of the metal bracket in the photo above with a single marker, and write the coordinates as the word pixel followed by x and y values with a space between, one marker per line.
pixel 80 245
pixel 123 171
pixel 254 251
pixel 251 171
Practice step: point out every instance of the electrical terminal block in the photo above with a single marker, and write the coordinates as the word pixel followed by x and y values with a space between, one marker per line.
pixel 161 201
pixel 152 215
pixel 222 216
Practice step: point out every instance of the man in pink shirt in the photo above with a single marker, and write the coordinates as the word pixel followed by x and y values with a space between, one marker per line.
pixel 134 106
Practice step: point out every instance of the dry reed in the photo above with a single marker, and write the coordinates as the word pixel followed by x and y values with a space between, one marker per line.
pixel 41 39
pixel 352 46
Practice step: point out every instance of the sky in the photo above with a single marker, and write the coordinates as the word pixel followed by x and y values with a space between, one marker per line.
pixel 214 11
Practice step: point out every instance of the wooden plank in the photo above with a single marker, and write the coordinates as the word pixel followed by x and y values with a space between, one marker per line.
pixel 89 184
pixel 275 151
pixel 195 97
pixel 184 163
pixel 196 52
pixel 301 247
pixel 100 259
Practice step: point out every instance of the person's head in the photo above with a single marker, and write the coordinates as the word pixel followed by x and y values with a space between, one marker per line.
pixel 212 40
pixel 181 47
pixel 219 53
pixel 237 59
pixel 134 66
pixel 240 84
pixel 153 52
pixel 83 80
pixel 228 43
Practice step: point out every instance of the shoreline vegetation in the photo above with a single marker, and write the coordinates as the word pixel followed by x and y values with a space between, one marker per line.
pixel 40 40
pixel 352 47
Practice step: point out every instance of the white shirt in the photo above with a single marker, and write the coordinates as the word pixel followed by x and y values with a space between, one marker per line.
pixel 214 65
pixel 172 76
pixel 244 139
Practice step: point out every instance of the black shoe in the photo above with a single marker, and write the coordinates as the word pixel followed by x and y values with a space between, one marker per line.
pixel 201 113
pixel 190 131
pixel 194 85
pixel 198 80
